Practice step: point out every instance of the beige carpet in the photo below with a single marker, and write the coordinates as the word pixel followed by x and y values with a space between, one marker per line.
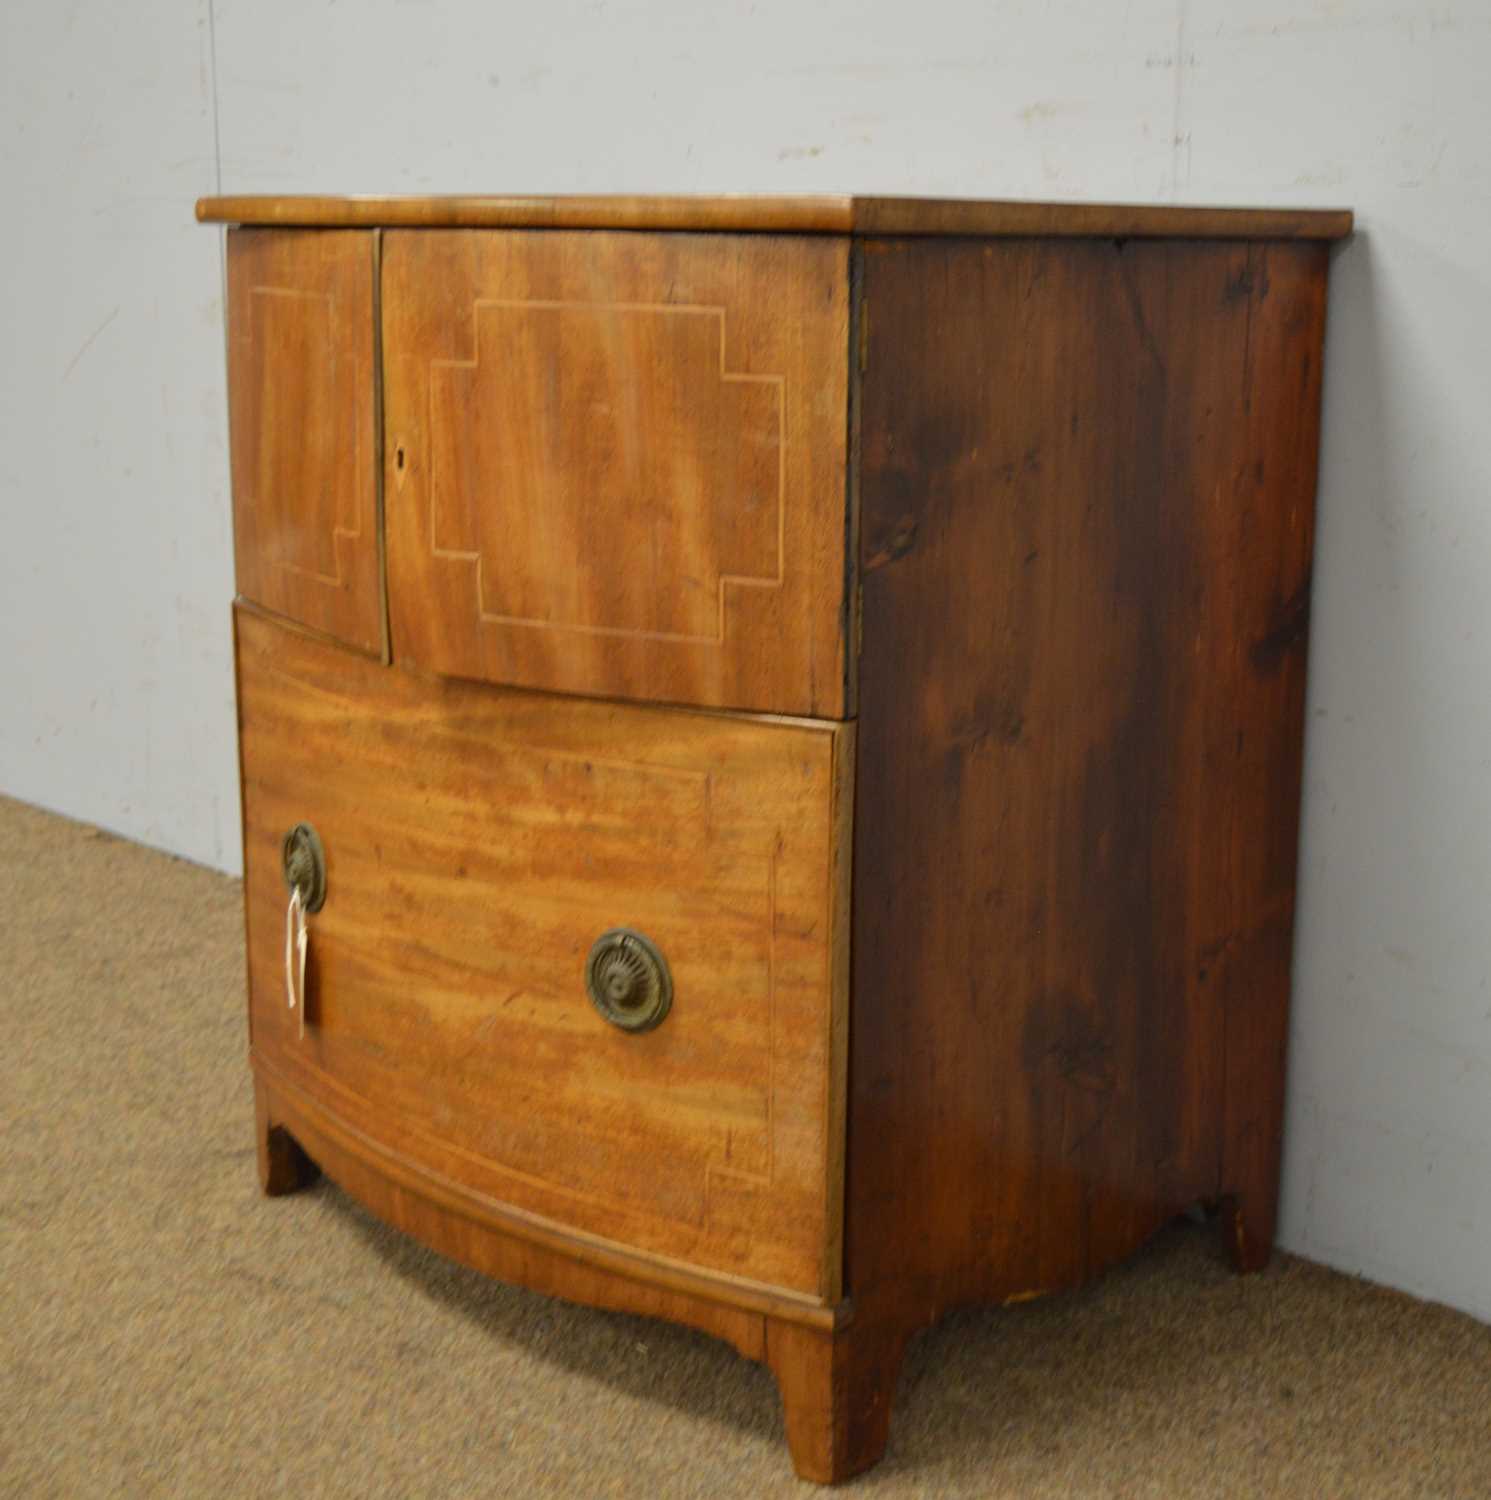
pixel 167 1331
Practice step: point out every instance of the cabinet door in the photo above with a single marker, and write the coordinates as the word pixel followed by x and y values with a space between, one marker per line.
pixel 478 843
pixel 302 405
pixel 615 463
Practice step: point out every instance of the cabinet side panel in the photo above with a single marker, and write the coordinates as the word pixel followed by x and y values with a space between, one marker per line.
pixel 302 412
pixel 1087 483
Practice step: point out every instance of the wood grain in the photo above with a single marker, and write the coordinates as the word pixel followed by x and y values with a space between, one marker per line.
pixel 616 464
pixel 477 842
pixel 824 214
pixel 302 407
pixel 1088 476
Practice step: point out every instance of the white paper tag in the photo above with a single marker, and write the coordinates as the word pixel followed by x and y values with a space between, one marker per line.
pixel 297 940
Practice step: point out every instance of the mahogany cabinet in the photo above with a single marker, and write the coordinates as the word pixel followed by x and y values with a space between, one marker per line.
pixel 777 723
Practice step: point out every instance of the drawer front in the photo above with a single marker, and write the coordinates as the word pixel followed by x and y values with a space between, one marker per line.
pixel 615 463
pixel 478 841
pixel 303 425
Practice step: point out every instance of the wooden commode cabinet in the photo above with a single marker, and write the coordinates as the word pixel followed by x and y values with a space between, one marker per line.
pixel 770 737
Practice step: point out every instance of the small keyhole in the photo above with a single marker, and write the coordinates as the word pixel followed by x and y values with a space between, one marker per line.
pixel 398 458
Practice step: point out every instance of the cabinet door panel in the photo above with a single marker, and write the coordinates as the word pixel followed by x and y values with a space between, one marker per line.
pixel 615 463
pixel 303 417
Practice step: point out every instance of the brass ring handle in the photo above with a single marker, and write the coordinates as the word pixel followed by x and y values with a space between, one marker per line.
pixel 304 862
pixel 628 981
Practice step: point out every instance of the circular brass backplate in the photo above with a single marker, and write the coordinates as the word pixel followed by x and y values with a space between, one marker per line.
pixel 628 981
pixel 304 862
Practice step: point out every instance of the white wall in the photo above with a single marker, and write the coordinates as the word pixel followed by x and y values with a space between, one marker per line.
pixel 116 689
pixel 115 568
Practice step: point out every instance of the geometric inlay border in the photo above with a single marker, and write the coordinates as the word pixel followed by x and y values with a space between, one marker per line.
pixel 736 580
pixel 338 531
pixel 713 1170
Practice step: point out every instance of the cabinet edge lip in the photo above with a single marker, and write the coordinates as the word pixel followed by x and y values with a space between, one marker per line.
pixel 805 214
pixel 607 1255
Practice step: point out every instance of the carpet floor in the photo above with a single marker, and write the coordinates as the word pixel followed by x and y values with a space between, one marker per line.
pixel 168 1332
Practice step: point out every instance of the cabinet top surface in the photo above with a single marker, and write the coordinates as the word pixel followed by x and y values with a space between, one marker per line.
pixel 781 215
